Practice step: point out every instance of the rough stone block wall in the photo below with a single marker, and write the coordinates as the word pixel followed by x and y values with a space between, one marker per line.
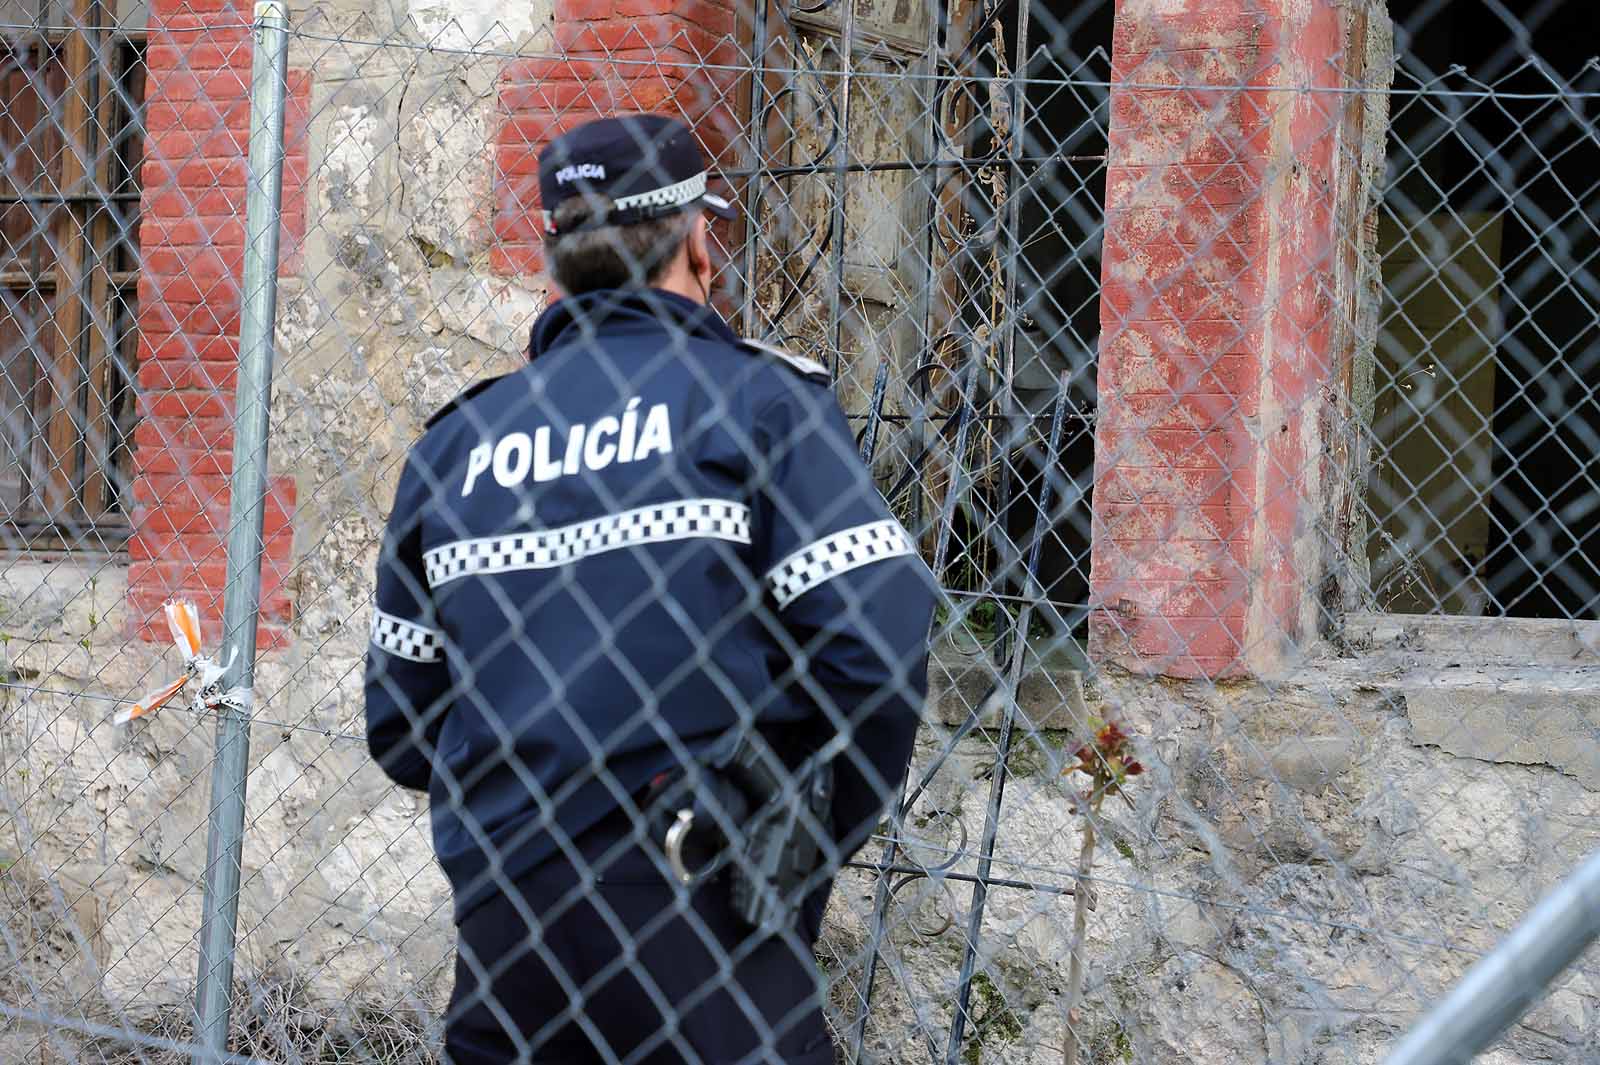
pixel 1217 320
pixel 616 56
pixel 192 240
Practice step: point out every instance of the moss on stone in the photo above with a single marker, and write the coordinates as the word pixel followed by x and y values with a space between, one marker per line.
pixel 993 1021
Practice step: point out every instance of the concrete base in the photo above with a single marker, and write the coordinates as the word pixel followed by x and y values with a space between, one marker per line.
pixel 1518 716
pixel 1514 641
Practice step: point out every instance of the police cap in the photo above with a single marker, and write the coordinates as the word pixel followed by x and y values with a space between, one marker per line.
pixel 647 165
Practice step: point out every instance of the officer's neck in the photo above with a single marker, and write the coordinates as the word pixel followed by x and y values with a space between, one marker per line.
pixel 681 280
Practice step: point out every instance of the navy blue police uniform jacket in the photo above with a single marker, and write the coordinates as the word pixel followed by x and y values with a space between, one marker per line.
pixel 599 565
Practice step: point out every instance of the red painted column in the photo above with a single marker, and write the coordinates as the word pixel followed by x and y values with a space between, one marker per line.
pixel 191 232
pixel 1217 316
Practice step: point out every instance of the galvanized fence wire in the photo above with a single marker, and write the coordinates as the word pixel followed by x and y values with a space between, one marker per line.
pixel 1233 373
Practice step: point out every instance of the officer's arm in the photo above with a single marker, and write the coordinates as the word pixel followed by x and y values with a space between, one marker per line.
pixel 406 673
pixel 847 585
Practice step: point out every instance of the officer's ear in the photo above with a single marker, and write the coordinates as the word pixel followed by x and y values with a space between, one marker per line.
pixel 698 246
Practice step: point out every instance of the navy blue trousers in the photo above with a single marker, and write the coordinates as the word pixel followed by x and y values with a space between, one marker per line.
pixel 632 967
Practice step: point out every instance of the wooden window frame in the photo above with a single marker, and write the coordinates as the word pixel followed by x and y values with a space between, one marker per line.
pixel 69 499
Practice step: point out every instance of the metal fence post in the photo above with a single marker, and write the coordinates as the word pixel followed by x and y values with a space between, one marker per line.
pixel 225 834
pixel 1512 977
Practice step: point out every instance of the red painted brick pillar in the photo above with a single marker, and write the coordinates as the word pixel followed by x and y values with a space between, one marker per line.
pixel 617 56
pixel 191 236
pixel 1218 312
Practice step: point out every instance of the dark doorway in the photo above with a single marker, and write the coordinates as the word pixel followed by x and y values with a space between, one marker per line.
pixel 1485 491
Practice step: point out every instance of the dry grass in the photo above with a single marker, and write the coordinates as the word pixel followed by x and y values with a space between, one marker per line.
pixel 276 1016
pixel 276 1019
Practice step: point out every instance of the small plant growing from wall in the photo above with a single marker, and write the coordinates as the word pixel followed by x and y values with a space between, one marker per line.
pixel 1107 760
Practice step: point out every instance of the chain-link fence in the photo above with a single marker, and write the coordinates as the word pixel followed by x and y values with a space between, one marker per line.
pixel 1231 365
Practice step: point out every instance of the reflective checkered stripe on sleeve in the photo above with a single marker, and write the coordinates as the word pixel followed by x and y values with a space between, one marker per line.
pixel 832 555
pixel 712 519
pixel 406 639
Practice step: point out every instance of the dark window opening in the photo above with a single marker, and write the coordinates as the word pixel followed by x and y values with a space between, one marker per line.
pixel 1055 171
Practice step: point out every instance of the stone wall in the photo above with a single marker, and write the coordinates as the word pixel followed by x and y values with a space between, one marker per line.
pixel 388 304
pixel 1305 863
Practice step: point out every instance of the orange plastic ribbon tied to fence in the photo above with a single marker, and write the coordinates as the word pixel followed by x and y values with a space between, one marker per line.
pixel 183 621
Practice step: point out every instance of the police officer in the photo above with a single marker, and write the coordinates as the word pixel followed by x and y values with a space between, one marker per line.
pixel 652 537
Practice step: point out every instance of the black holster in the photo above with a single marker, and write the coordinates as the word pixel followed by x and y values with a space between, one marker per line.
pixel 753 822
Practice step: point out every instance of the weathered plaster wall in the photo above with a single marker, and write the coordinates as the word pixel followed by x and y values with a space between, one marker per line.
pixel 1305 866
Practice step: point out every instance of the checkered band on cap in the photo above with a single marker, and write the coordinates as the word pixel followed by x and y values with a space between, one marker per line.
pixel 838 553
pixel 406 639
pixel 685 519
pixel 624 208
pixel 686 191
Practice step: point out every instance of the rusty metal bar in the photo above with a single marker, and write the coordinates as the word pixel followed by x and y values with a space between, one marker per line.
pixel 1017 642
pixel 59 199
pixel 841 162
pixel 997 785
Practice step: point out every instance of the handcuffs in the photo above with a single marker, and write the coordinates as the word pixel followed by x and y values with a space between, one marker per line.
pixel 777 850
pixel 677 836
pixel 694 843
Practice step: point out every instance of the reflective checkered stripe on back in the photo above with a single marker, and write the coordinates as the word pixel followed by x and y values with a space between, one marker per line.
pixel 712 519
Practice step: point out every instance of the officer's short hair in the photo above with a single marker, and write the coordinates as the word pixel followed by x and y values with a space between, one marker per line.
pixel 582 259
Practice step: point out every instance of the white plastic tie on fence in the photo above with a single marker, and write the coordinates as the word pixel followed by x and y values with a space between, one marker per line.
pixel 183 622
